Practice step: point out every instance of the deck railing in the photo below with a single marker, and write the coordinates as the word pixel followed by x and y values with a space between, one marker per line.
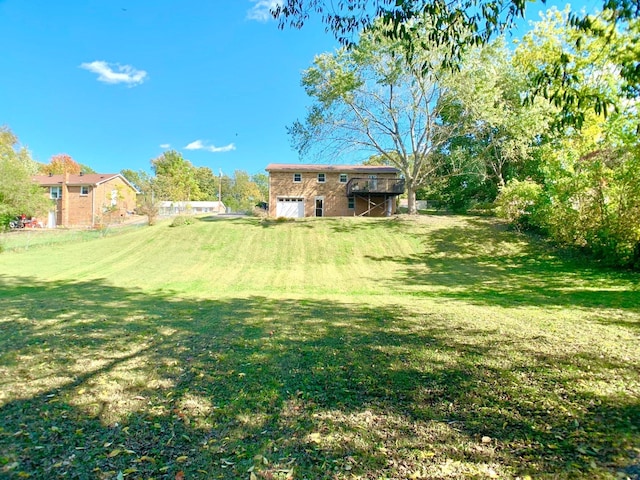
pixel 388 186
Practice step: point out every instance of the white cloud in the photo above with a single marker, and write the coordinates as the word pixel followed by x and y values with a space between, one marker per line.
pixel 226 148
pixel 200 145
pixel 261 11
pixel 197 145
pixel 165 145
pixel 116 73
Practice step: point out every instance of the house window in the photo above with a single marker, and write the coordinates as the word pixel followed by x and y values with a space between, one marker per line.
pixel 343 178
pixel 297 177
pixel 84 190
pixel 351 203
pixel 55 193
pixel 322 178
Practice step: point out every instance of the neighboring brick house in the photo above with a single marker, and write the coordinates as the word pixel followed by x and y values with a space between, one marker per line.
pixel 333 190
pixel 87 200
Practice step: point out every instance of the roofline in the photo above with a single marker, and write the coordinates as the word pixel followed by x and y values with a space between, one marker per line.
pixel 109 176
pixel 123 178
pixel 295 167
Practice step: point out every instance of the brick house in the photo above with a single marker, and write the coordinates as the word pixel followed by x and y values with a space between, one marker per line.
pixel 297 190
pixel 87 200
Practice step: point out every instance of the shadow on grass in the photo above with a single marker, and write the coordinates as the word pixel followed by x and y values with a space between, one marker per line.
pixel 360 225
pixel 483 263
pixel 98 380
pixel 224 217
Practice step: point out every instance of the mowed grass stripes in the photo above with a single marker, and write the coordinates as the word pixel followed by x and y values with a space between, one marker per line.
pixel 437 347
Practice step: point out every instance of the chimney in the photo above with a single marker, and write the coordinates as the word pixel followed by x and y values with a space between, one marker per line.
pixel 65 200
pixel 50 174
pixel 81 173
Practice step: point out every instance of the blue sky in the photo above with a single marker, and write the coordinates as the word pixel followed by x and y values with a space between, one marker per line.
pixel 115 83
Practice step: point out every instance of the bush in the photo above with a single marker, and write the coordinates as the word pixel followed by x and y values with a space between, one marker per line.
pixel 149 208
pixel 260 212
pixel 4 221
pixel 597 206
pixel 521 203
pixel 181 220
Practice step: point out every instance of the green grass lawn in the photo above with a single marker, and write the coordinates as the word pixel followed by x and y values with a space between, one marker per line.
pixel 442 347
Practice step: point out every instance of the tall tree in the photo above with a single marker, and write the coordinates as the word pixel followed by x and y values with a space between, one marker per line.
pixel 457 25
pixel 146 202
pixel 375 100
pixel 18 194
pixel 175 177
pixel 507 132
pixel 208 183
pixel 140 179
pixel 262 182
pixel 243 193
pixel 60 164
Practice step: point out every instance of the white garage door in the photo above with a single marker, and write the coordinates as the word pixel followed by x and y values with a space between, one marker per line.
pixel 292 207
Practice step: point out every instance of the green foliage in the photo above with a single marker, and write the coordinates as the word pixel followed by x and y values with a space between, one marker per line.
pixel 596 202
pixel 462 192
pixel 520 203
pixel 488 94
pixel 457 26
pixel 18 194
pixel 331 79
pixel 589 196
pixel 181 220
pixel 147 203
pixel 175 178
pixel 261 180
pixel 581 71
pixel 453 24
pixel 243 192
pixel 140 179
pixel 208 184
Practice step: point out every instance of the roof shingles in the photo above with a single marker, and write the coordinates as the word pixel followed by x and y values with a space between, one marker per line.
pixel 74 179
pixel 294 167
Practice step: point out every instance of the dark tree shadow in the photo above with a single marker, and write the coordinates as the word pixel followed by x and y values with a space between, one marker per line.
pixel 477 263
pixel 98 379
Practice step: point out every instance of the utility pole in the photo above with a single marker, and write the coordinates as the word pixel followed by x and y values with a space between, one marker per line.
pixel 220 191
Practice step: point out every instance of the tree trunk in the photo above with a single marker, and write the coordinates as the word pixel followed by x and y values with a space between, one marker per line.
pixel 411 200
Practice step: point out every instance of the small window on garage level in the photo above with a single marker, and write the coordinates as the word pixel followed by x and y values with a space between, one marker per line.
pixel 297 177
pixel 84 190
pixel 343 178
pixel 351 203
pixel 322 178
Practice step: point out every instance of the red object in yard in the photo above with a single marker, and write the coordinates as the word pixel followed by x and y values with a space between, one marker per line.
pixel 30 223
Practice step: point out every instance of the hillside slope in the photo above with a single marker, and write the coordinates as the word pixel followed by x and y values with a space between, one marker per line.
pixel 438 347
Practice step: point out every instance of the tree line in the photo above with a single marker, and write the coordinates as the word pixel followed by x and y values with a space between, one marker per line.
pixel 479 134
pixel 176 179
